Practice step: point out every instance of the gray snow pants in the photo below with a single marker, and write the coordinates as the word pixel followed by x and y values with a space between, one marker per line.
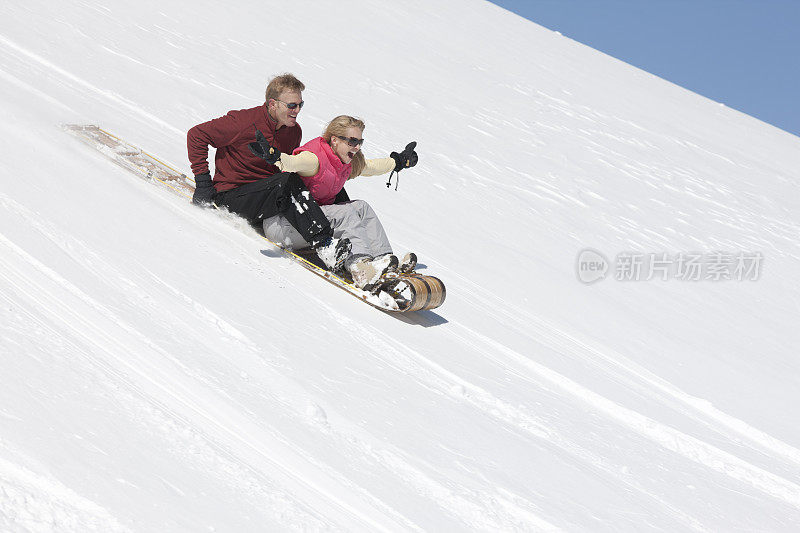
pixel 355 220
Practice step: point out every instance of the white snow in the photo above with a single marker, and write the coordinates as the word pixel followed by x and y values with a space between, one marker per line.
pixel 161 369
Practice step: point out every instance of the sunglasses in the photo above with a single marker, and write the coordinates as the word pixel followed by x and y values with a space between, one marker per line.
pixel 352 141
pixel 291 105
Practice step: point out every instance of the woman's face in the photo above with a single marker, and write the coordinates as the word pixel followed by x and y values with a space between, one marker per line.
pixel 342 148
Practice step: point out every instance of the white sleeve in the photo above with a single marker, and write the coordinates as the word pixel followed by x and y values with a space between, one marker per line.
pixel 376 167
pixel 305 163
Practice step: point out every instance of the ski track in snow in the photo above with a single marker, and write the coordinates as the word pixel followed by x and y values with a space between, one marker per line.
pixel 485 510
pixel 396 461
pixel 424 484
pixel 104 271
pixel 691 448
pixel 38 503
pixel 540 331
pixel 184 440
pixel 83 84
pixel 667 437
pixel 406 359
pixel 158 382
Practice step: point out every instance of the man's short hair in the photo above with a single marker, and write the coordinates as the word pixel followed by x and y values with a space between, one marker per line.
pixel 281 83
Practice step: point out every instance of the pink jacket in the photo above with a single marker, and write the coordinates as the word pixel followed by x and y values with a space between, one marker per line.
pixel 325 184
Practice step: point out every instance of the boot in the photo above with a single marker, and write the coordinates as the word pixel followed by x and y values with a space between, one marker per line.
pixel 367 273
pixel 393 262
pixel 333 252
pixel 409 263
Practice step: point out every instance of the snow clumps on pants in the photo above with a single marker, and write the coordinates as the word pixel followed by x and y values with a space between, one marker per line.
pixel 354 220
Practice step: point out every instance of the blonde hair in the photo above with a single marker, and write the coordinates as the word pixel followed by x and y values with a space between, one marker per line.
pixel 338 127
pixel 281 83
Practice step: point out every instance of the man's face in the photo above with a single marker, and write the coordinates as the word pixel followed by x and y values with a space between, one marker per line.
pixel 280 108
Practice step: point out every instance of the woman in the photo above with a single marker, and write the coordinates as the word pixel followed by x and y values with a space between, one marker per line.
pixel 325 164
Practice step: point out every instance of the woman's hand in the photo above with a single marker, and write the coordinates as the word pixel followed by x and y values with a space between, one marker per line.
pixel 406 158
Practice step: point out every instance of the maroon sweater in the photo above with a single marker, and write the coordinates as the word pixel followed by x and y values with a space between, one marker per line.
pixel 234 162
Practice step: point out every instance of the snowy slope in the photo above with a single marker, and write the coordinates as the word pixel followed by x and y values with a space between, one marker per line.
pixel 162 370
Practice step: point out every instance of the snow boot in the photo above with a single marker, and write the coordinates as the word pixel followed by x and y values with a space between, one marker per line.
pixel 393 262
pixel 409 263
pixel 333 252
pixel 367 273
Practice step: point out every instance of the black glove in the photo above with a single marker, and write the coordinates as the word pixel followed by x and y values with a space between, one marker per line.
pixel 262 149
pixel 203 190
pixel 406 158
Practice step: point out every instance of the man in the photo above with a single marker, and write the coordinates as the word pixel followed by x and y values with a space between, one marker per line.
pixel 247 182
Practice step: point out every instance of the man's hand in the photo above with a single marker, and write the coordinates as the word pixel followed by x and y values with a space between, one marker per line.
pixel 261 148
pixel 406 158
pixel 203 190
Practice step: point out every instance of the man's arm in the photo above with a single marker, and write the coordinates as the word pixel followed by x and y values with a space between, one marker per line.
pixel 217 132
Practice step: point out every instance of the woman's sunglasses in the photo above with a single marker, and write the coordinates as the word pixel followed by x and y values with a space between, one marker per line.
pixel 352 141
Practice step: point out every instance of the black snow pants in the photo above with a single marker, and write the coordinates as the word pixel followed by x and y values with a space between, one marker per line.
pixel 280 194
